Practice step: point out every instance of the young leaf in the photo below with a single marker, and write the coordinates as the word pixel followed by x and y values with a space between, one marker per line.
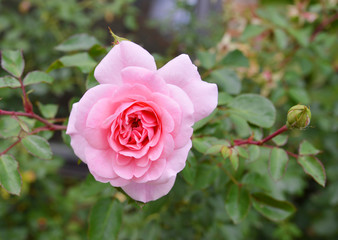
pixel 37 77
pixel 48 110
pixel 277 163
pixel 37 146
pixel 12 62
pixel 237 203
pixel 307 148
pixel 235 59
pixel 10 178
pixel 105 220
pixel 273 209
pixel 8 81
pixel 313 167
pixel 255 109
pixel 214 150
pixel 78 42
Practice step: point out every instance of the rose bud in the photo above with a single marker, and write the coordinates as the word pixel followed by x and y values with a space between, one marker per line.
pixel 299 117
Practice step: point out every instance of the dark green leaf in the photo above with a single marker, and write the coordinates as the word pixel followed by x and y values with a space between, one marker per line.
pixel 12 62
pixel 307 148
pixel 78 42
pixel 273 209
pixel 237 203
pixel 105 220
pixel 313 167
pixel 235 59
pixel 37 146
pixel 37 77
pixel 91 81
pixel 10 178
pixel 8 81
pixel 205 175
pixel 81 60
pixel 227 80
pixel 9 127
pixel 278 162
pixel 189 172
pixel 255 109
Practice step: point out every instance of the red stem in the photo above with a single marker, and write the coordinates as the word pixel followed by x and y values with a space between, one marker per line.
pixel 26 102
pixel 10 147
pixel 35 116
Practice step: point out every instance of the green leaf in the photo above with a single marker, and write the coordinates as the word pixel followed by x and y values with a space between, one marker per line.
pixel 254 152
pixel 302 36
pixel 207 59
pixel 8 81
pixel 224 98
pixel 37 146
pixel 237 203
pixel 91 81
pixel 12 62
pixel 241 126
pixel 215 149
pixel 189 172
pixel 37 77
pixel 280 140
pixel 278 163
pixel 105 220
pixel 307 148
pixel 234 159
pixel 201 145
pixel 10 178
pixel 205 175
pixel 78 42
pixel 255 109
pixel 227 80
pixel 9 127
pixel 252 31
pixel 281 38
pixel 313 167
pixel 48 110
pixel 55 65
pixel 299 95
pixel 201 123
pixel 235 59
pixel 81 60
pixel 273 209
pixel 242 152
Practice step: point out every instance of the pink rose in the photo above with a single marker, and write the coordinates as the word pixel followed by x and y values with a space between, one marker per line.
pixel 134 129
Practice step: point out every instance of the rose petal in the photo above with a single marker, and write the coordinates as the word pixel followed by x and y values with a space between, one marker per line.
pixel 123 55
pixel 72 119
pixel 79 145
pixel 183 73
pixel 150 191
pixel 97 137
pixel 88 100
pixel 100 112
pixel 100 163
pixel 145 77
pixel 154 172
pixel 183 133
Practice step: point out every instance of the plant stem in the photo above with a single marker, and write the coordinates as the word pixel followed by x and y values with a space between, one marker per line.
pixel 10 147
pixel 35 116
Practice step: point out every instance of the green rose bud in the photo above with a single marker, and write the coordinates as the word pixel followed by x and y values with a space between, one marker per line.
pixel 299 117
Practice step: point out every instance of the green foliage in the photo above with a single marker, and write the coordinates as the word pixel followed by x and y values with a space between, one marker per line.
pixel 105 220
pixel 9 175
pixel 262 65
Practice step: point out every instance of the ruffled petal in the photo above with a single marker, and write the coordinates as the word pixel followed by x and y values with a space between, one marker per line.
pixel 100 163
pixel 183 73
pixel 123 55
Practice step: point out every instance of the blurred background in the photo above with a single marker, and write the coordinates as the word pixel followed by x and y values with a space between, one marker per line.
pixel 291 48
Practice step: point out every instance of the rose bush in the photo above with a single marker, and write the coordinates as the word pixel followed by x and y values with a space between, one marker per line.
pixel 134 129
